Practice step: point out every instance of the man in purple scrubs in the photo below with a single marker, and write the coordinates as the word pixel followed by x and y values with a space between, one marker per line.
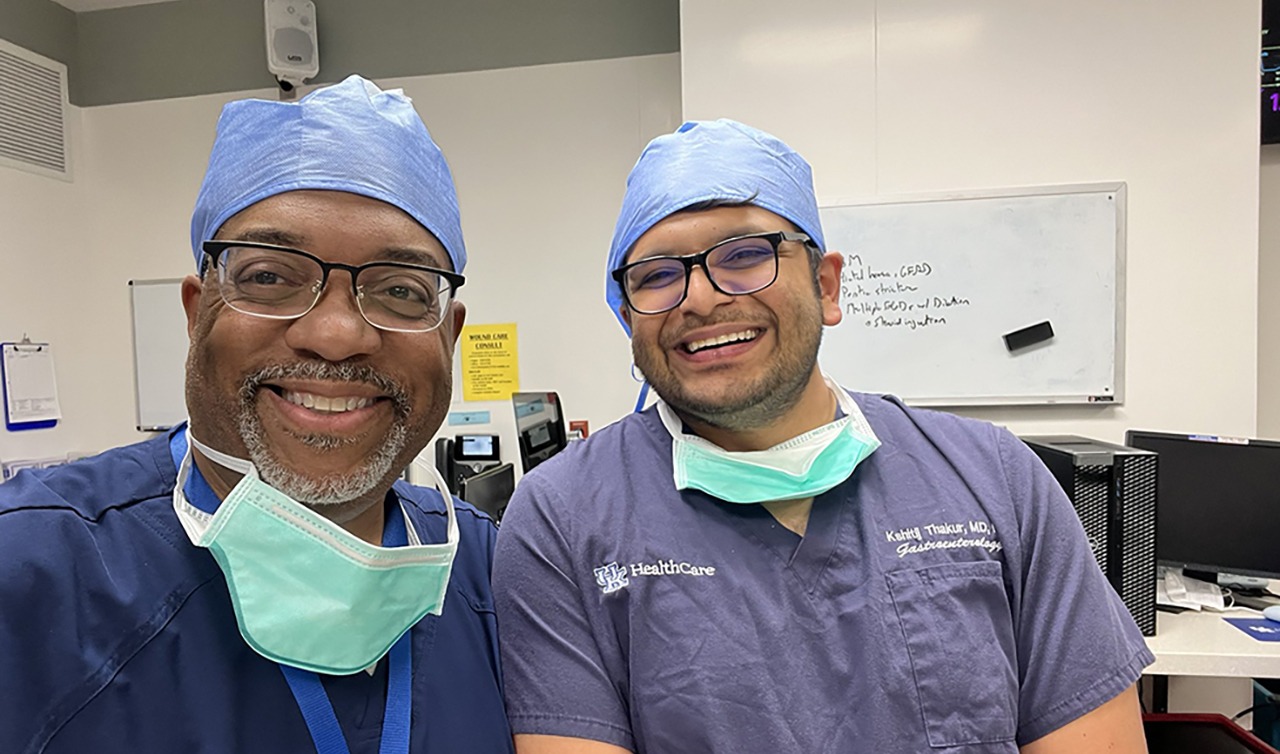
pixel 764 562
pixel 260 581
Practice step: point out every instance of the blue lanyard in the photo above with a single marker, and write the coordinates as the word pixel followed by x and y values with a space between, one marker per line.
pixel 323 724
pixel 306 686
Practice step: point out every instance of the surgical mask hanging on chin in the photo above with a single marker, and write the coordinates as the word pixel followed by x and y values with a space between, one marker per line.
pixel 307 593
pixel 801 467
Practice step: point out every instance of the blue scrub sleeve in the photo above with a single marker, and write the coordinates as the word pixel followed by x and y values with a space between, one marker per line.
pixel 72 595
pixel 1077 645
pixel 30 629
pixel 556 676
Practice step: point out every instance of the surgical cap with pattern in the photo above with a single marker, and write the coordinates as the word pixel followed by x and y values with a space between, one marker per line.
pixel 350 137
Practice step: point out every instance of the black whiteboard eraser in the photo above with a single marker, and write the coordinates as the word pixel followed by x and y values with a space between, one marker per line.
pixel 1028 336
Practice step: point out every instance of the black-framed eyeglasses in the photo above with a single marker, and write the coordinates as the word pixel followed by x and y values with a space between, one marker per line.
pixel 282 283
pixel 735 266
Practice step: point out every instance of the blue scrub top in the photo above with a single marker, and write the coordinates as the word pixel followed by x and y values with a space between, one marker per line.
pixel 118 635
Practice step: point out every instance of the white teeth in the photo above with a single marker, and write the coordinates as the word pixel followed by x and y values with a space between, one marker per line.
pixel 324 404
pixel 698 345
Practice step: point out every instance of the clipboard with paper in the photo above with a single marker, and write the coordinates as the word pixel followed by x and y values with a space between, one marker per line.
pixel 30 388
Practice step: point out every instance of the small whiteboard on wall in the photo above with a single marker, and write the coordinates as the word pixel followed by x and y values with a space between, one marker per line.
pixel 932 285
pixel 159 353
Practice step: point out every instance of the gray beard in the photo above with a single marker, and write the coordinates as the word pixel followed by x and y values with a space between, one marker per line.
pixel 331 489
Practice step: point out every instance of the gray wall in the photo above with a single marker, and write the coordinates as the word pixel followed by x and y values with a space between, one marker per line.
pixel 190 47
pixel 41 26
pixel 1269 293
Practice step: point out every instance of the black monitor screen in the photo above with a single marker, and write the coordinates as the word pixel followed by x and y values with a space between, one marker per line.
pixel 491 489
pixel 1206 736
pixel 540 425
pixel 476 448
pixel 539 435
pixel 1218 502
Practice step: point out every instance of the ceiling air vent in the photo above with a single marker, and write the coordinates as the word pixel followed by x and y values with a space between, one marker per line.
pixel 33 106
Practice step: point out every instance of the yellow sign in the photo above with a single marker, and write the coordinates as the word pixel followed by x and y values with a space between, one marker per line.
pixel 490 364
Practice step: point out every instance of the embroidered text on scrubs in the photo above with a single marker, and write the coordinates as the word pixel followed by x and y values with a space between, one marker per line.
pixel 670 568
pixel 912 540
pixel 908 548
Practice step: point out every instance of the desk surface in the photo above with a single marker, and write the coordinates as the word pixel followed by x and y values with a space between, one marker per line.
pixel 1205 644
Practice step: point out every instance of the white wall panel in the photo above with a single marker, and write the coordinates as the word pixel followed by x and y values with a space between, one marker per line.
pixel 47 269
pixel 971 95
pixel 540 156
pixel 804 72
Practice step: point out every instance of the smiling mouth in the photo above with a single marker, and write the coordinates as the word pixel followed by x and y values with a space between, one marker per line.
pixel 322 404
pixel 719 341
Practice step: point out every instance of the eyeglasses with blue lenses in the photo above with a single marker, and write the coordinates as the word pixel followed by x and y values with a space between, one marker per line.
pixel 736 267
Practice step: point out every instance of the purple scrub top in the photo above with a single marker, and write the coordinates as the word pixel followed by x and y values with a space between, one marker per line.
pixel 943 598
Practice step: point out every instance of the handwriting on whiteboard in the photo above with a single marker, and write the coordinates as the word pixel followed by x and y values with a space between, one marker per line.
pixel 909 297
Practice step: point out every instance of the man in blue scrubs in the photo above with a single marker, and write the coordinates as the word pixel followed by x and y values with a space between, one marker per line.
pixel 764 562
pixel 258 580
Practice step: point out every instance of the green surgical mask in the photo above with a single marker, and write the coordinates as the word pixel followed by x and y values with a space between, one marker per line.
pixel 801 467
pixel 306 592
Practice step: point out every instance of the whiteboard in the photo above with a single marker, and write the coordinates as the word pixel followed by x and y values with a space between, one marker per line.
pixel 159 353
pixel 931 285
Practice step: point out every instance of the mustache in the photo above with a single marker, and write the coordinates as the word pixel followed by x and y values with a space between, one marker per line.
pixel 344 371
pixel 693 322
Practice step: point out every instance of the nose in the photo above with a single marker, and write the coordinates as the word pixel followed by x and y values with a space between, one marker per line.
pixel 702 297
pixel 334 329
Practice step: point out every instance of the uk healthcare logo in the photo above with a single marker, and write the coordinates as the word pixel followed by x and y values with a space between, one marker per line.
pixel 611 577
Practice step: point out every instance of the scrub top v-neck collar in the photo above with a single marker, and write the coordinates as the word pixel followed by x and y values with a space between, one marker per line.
pixel 805 557
pixel 306 686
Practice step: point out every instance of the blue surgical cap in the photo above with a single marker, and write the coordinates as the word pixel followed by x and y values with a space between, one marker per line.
pixel 705 160
pixel 350 137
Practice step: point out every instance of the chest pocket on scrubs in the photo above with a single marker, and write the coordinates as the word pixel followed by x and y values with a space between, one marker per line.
pixel 959 634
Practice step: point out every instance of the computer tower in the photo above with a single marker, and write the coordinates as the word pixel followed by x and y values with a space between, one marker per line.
pixel 1113 489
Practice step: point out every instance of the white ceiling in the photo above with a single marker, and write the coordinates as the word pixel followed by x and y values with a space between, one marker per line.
pixel 84 5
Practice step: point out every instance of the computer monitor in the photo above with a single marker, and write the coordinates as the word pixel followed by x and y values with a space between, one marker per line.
pixel 491 489
pixel 476 448
pixel 539 435
pixel 1217 502
pixel 540 427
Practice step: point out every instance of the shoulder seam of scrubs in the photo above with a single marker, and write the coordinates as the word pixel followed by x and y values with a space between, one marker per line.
pixel 477 514
pixel 167 479
pixel 872 407
pixel 432 512
pixel 75 700
pixel 76 512
pixel 1008 483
